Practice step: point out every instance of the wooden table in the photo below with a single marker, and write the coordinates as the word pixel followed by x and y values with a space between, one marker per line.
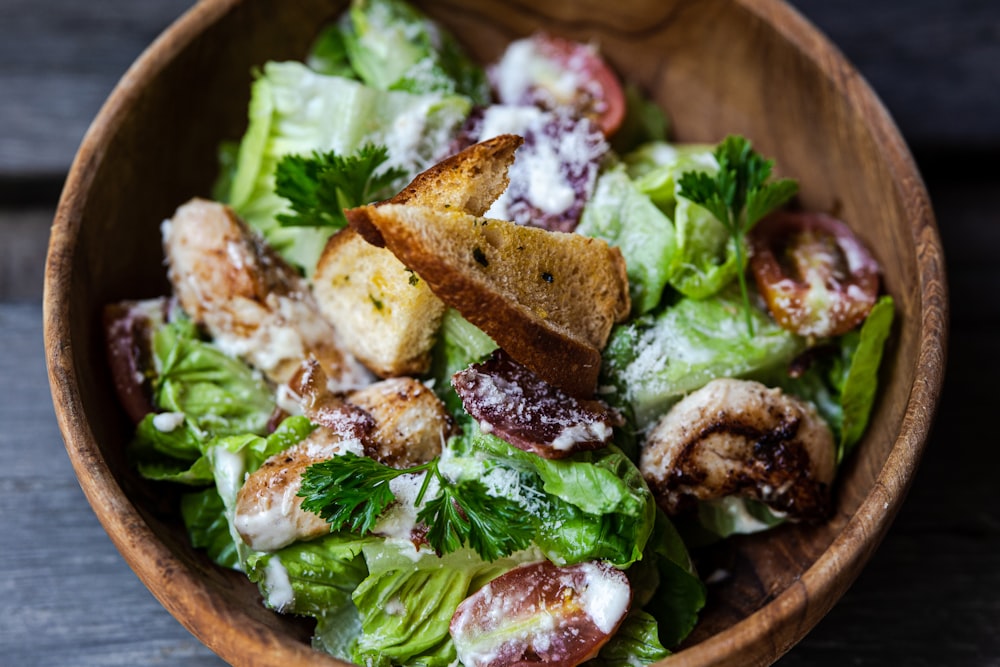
pixel 931 594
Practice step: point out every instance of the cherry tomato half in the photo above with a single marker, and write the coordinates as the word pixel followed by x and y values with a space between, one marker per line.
pixel 817 278
pixel 553 72
pixel 541 614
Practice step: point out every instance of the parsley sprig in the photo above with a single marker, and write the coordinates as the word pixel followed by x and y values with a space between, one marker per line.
pixel 351 492
pixel 738 195
pixel 320 186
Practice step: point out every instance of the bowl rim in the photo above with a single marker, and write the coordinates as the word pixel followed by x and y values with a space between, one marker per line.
pixel 758 639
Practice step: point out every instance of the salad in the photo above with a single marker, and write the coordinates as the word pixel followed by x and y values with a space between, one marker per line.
pixel 354 439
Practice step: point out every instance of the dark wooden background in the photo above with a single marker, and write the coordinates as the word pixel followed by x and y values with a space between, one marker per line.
pixel 930 595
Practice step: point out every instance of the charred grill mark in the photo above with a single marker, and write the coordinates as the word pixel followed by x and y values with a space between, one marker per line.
pixel 778 472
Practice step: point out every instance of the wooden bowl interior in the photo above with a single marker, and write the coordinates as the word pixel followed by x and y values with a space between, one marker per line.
pixel 716 67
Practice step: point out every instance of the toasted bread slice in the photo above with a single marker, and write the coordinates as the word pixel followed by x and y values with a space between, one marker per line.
pixel 548 298
pixel 386 315
pixel 469 181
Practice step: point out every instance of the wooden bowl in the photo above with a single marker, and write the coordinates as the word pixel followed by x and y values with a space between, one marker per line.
pixel 753 67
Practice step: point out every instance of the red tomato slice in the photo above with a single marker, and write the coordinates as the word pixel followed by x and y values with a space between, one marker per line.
pixel 817 278
pixel 541 614
pixel 553 72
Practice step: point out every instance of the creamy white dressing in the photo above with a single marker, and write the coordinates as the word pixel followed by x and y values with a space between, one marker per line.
pixel 277 586
pixel 574 434
pixel 604 596
pixel 167 422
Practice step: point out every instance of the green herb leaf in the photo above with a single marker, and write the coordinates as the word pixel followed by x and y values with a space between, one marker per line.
pixel 353 491
pixel 348 490
pixel 738 195
pixel 319 187
pixel 465 513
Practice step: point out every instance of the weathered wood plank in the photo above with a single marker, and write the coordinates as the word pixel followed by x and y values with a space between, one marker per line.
pixel 59 60
pixel 66 595
pixel 24 238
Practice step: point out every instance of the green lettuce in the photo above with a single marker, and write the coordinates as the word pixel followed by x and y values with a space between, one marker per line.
pixel 589 506
pixel 406 604
pixel 625 217
pixel 655 360
pixel 204 393
pixel 459 344
pixel 310 578
pixel 234 457
pixel 296 110
pixel 392 46
pixel 204 516
pixel 843 383
pixel 705 258
pixel 636 643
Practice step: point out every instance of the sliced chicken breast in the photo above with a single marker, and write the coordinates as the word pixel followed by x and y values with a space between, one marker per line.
pixel 740 438
pixel 251 301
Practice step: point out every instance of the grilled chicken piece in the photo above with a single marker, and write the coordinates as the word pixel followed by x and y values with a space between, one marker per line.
pixel 269 514
pixel 251 301
pixel 411 423
pixel 399 422
pixel 739 438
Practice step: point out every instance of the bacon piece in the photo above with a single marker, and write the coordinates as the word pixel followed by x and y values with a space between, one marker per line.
pixel 513 403
pixel 128 339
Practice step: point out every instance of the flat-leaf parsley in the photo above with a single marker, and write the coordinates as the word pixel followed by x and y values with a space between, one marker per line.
pixel 351 492
pixel 320 186
pixel 738 195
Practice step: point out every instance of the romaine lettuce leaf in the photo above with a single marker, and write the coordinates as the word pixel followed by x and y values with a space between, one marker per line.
pixel 337 630
pixel 624 217
pixel 204 517
pixel 406 603
pixel 459 344
pixel 393 46
pixel 590 506
pixel 704 260
pixel 296 110
pixel 203 393
pixel 657 165
pixel 842 384
pixel 666 585
pixel 233 457
pixel 217 394
pixel 864 349
pixel 328 54
pixel 310 578
pixel 635 644
pixel 653 361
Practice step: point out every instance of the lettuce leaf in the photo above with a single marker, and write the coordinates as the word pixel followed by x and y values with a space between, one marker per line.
pixel 392 46
pixel 590 506
pixel 459 344
pixel 624 217
pixel 636 643
pixel 234 457
pixel 655 360
pixel 310 578
pixel 204 393
pixel 864 349
pixel 843 383
pixel 204 516
pixel 406 604
pixel 296 110
pixel 705 259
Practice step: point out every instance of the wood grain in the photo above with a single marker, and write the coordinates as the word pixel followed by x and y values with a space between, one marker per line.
pixel 726 58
